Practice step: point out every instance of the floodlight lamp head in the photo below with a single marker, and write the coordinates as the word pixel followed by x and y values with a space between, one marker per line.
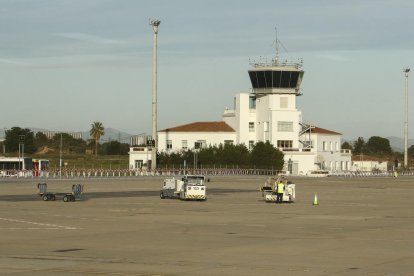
pixel 155 24
pixel 406 70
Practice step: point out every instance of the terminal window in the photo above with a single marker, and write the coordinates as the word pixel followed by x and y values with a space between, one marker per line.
pixel 184 144
pixel 251 144
pixel 284 126
pixel 200 144
pixel 285 144
pixel 228 142
pixel 251 126
pixel 283 102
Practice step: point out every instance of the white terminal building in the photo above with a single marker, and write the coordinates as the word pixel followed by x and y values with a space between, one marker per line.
pixel 269 113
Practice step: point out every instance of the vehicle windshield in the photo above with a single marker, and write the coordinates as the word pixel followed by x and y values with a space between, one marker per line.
pixel 194 180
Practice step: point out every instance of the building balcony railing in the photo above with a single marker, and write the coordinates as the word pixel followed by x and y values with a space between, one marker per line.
pixel 228 113
pixel 295 149
pixel 346 152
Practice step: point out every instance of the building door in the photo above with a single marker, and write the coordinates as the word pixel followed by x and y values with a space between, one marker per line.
pixel 138 164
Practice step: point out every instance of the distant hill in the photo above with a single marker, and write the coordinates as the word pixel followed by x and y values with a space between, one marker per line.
pixel 397 143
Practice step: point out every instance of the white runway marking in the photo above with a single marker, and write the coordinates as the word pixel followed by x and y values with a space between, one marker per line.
pixel 28 228
pixel 52 226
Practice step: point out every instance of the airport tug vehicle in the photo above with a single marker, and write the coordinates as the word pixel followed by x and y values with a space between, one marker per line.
pixel 269 190
pixel 76 194
pixel 190 187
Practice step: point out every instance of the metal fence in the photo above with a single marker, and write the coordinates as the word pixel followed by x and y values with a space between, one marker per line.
pixel 102 173
pixel 91 173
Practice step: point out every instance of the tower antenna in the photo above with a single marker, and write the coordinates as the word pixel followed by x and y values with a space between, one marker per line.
pixel 276 47
pixel 277 50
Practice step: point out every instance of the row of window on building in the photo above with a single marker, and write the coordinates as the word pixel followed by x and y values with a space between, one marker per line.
pixel 203 143
pixel 330 146
pixel 284 102
pixel 282 126
pixel 335 165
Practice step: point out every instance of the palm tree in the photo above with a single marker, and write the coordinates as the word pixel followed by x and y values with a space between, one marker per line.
pixel 96 132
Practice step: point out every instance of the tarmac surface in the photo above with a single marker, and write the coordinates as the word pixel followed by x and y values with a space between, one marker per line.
pixel 362 226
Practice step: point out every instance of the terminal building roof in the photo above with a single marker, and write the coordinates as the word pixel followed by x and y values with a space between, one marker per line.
pixel 320 130
pixel 201 127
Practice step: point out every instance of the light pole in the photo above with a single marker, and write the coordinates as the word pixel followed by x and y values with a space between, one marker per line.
pixel 21 147
pixel 4 143
pixel 406 70
pixel 60 156
pixel 154 24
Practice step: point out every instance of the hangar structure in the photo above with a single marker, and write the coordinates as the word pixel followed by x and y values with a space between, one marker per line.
pixel 268 113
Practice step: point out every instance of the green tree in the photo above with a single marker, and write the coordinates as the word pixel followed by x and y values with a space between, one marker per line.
pixel 378 146
pixel 170 159
pixel 41 140
pixel 235 154
pixel 265 155
pixel 359 146
pixel 69 144
pixel 209 155
pixel 96 132
pixel 346 145
pixel 410 151
pixel 115 148
pixel 16 136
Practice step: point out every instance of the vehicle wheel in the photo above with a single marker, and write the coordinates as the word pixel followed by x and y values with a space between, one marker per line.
pixel 72 198
pixel 65 199
pixel 45 198
pixel 162 195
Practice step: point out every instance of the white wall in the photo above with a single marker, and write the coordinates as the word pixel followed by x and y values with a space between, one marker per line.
pixel 271 109
pixel 369 165
pixel 211 138
pixel 138 155
pixel 330 157
pixel 240 118
pixel 304 160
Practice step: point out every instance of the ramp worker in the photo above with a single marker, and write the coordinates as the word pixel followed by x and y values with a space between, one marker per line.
pixel 280 191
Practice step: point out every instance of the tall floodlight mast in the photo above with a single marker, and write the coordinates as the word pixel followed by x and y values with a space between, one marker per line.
pixel 406 70
pixel 154 24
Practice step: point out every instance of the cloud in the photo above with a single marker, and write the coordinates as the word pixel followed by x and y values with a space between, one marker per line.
pixel 89 38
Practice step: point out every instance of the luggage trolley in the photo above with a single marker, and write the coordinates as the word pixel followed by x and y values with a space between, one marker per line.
pixel 76 194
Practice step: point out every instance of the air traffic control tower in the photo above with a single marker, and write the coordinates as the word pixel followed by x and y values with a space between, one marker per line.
pixel 276 78
pixel 275 87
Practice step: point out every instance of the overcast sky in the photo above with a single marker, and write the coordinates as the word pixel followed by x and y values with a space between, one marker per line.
pixel 67 63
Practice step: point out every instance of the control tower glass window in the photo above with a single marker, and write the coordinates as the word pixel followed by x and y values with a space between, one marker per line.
pixel 274 79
